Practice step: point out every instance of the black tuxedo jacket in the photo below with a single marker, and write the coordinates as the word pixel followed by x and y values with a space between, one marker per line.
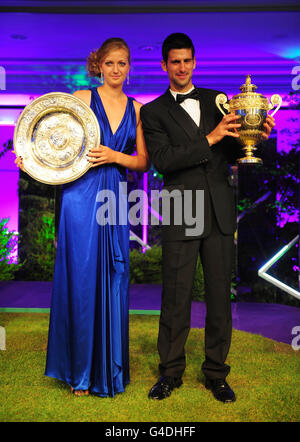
pixel 179 150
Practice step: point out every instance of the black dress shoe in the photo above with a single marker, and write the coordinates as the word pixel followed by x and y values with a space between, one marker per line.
pixel 220 389
pixel 163 388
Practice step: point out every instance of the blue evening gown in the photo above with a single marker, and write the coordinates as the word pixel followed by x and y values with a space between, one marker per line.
pixel 88 342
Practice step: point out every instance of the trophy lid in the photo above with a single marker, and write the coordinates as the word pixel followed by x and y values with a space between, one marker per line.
pixel 248 86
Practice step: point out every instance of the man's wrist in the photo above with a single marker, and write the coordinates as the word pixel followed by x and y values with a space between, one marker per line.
pixel 210 140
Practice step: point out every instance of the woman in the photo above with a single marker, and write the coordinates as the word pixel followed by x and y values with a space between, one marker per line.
pixel 88 345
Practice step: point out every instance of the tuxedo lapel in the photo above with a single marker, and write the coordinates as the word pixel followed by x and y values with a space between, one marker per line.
pixel 207 124
pixel 180 116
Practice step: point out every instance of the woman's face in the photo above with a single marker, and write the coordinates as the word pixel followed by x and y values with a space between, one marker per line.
pixel 115 67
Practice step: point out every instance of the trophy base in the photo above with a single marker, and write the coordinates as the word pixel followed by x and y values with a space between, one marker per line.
pixel 249 157
pixel 250 160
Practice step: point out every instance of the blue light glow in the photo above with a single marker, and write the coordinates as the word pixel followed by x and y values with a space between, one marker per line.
pixel 292 53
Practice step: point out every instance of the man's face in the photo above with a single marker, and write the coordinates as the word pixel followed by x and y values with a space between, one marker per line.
pixel 180 67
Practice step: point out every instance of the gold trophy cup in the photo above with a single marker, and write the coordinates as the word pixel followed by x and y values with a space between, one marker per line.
pixel 253 109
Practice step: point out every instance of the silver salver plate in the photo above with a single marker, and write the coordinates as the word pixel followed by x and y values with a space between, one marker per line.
pixel 53 135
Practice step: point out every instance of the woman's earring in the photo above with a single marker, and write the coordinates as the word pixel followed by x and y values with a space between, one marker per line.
pixel 128 78
pixel 101 78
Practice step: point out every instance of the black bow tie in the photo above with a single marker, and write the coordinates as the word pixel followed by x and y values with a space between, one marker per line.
pixel 194 95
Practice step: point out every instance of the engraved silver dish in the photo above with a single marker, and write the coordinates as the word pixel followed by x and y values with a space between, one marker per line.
pixel 53 135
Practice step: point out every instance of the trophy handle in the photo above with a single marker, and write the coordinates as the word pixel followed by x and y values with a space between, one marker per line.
pixel 275 100
pixel 222 99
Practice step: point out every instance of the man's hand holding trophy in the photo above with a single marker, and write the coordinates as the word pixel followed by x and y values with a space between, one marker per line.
pixel 254 122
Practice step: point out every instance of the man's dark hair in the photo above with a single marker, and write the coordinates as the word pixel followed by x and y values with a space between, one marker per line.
pixel 177 40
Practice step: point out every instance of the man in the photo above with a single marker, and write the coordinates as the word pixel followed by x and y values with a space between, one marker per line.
pixel 191 145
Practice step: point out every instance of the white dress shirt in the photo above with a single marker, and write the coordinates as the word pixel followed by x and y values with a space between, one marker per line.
pixel 192 107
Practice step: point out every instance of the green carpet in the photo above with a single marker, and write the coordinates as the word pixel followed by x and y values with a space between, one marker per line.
pixel 265 376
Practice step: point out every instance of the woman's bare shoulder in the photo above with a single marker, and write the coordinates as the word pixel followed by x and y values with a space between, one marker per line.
pixel 137 107
pixel 84 95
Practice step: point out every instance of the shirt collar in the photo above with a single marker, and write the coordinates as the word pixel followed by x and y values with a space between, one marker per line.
pixel 184 93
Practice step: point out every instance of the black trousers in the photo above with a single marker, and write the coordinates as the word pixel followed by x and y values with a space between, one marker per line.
pixel 179 263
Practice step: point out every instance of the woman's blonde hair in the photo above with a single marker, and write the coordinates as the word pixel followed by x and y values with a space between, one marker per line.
pixel 95 57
